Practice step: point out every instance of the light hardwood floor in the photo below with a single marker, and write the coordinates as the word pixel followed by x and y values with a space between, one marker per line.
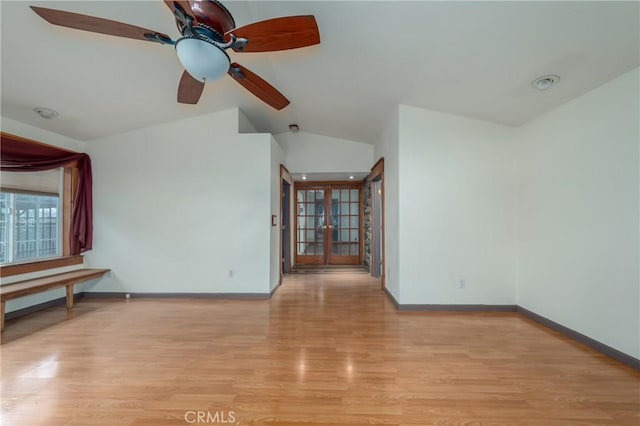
pixel 327 349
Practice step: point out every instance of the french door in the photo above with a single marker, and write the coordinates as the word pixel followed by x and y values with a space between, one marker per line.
pixel 328 223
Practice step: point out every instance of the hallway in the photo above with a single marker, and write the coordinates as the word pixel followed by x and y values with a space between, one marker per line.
pixel 328 348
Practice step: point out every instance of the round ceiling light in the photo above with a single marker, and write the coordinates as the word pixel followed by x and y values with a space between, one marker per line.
pixel 544 82
pixel 202 58
pixel 47 113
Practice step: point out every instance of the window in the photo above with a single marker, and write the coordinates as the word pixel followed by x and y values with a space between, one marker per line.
pixel 31 218
pixel 29 226
pixel 56 230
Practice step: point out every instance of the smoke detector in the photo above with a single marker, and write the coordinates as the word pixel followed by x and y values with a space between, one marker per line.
pixel 294 128
pixel 544 82
pixel 47 113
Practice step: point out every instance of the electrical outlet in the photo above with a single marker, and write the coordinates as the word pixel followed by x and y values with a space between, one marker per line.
pixel 462 284
pixel 231 273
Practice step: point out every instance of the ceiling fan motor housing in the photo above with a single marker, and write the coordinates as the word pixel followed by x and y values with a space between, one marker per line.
pixel 201 50
pixel 212 14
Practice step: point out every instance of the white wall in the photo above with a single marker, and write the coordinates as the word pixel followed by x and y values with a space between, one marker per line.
pixel 578 210
pixel 277 158
pixel 387 147
pixel 179 205
pixel 311 153
pixel 457 210
pixel 17 128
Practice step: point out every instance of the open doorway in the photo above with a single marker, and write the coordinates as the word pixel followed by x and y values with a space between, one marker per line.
pixel 286 227
pixel 377 261
pixel 286 187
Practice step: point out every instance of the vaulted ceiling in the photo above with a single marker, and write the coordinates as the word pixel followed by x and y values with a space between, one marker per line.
pixel 475 59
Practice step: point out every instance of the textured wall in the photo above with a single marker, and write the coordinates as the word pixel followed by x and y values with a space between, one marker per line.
pixel 367 224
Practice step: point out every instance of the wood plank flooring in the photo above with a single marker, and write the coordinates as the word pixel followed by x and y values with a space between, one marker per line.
pixel 327 349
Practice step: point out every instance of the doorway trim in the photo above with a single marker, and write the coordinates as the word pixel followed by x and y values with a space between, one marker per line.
pixel 377 173
pixel 285 176
pixel 357 184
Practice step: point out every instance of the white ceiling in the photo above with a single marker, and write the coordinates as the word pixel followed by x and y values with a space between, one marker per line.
pixel 475 59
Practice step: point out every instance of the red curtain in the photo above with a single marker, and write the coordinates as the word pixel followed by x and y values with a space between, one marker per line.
pixel 21 155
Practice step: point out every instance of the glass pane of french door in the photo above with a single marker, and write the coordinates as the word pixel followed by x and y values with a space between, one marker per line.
pixel 311 224
pixel 345 226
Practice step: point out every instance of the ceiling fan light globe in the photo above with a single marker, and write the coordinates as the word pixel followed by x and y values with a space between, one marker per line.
pixel 202 59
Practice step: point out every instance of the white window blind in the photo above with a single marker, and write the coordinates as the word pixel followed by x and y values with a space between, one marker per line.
pixel 47 182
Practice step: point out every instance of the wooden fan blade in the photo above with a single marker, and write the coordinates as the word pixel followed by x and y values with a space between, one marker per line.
pixel 93 24
pixel 258 86
pixel 189 89
pixel 290 32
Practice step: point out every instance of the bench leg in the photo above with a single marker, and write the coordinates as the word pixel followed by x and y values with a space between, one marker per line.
pixel 69 296
pixel 2 315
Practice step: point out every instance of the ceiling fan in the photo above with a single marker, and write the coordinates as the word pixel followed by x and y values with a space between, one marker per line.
pixel 208 30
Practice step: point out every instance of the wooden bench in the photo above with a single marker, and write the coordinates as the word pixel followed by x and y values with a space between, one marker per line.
pixel 40 284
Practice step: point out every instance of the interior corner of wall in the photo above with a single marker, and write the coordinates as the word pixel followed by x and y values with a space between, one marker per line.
pixel 404 109
pixel 244 124
pixel 280 149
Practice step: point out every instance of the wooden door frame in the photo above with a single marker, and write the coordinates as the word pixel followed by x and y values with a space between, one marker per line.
pixel 377 173
pixel 343 184
pixel 285 176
